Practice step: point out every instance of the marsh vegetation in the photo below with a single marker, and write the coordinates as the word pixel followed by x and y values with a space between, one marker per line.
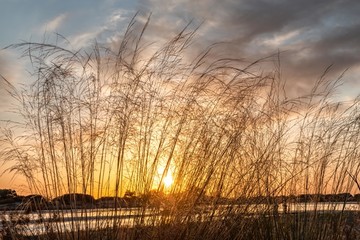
pixel 155 118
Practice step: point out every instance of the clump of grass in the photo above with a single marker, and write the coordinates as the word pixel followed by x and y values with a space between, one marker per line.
pixel 102 121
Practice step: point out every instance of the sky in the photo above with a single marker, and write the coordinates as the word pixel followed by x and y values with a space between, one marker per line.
pixel 310 34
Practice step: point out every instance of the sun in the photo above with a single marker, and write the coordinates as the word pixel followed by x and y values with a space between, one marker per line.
pixel 168 180
pixel 164 177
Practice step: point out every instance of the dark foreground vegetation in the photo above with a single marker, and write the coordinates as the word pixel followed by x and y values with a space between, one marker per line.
pixel 118 120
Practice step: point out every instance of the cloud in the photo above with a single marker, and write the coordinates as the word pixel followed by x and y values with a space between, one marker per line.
pixel 54 24
pixel 311 34
pixel 12 69
pixel 83 39
pixel 281 38
pixel 9 66
pixel 108 30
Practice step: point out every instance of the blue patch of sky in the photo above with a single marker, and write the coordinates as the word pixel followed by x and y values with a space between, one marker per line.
pixel 22 20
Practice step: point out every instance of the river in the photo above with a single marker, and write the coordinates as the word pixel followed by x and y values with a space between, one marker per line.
pixel 80 219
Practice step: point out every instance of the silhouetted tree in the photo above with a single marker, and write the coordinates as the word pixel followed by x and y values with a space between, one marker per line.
pixel 75 200
pixel 7 193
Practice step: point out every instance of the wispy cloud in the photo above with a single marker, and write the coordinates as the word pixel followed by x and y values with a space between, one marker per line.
pixel 12 69
pixel 54 24
pixel 83 39
pixel 107 31
pixel 282 39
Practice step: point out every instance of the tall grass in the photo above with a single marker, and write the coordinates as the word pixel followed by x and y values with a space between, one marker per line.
pixel 103 121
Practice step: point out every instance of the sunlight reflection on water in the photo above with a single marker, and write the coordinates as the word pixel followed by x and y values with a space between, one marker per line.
pixel 80 219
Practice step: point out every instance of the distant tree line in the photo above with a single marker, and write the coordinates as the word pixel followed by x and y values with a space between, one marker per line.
pixel 9 200
pixel 302 198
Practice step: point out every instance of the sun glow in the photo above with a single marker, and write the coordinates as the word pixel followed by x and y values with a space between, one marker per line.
pixel 164 178
pixel 168 180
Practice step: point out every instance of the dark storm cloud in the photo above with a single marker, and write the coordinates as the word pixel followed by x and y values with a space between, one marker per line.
pixel 312 34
